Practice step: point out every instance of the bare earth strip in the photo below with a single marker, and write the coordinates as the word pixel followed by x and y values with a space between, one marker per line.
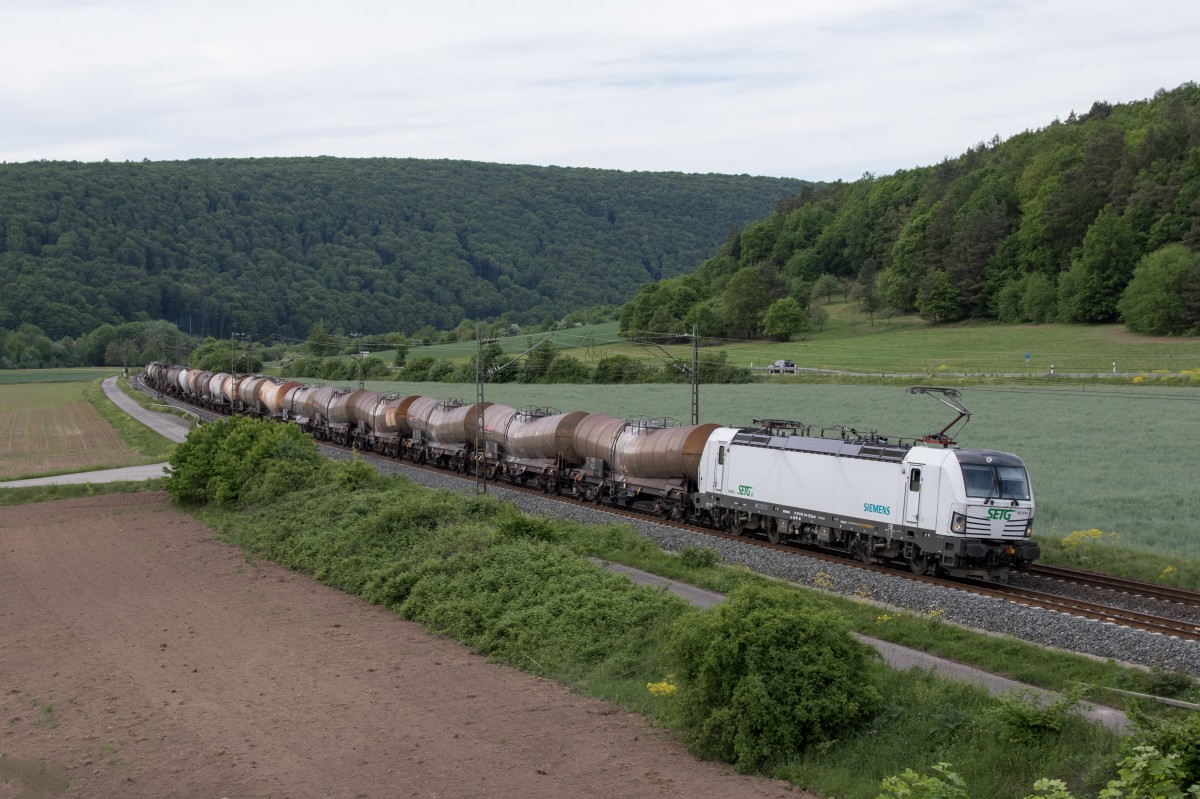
pixel 172 666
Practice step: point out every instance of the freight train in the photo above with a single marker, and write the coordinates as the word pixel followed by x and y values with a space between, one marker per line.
pixel 925 502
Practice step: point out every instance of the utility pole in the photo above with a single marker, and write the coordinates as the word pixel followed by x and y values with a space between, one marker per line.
pixel 361 354
pixel 480 482
pixel 695 376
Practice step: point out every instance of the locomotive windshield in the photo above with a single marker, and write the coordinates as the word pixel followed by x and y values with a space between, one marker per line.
pixel 995 482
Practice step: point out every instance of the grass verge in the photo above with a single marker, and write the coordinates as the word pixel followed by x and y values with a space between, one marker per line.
pixel 136 435
pixel 52 493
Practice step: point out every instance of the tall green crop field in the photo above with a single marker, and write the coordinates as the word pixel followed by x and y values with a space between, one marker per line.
pixel 1115 458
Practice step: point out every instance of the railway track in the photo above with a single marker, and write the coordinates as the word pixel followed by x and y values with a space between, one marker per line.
pixel 1164 593
pixel 1109 613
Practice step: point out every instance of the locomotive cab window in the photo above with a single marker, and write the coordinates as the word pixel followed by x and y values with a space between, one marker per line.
pixel 914 480
pixel 721 455
pixel 995 482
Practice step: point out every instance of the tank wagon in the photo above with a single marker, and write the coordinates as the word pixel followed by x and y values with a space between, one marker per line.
pixel 926 503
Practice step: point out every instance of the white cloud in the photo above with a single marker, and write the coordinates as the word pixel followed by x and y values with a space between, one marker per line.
pixel 775 88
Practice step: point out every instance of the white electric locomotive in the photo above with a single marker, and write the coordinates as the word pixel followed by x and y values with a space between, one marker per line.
pixel 963 512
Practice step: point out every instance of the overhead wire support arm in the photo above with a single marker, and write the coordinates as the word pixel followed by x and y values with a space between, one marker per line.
pixel 692 370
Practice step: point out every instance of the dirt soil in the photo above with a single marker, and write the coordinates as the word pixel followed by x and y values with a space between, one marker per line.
pixel 141 657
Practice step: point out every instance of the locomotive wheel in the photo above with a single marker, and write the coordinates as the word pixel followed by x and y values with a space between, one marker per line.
pixel 774 534
pixel 918 564
pixel 737 526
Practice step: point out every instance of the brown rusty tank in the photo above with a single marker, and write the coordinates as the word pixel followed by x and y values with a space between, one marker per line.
pixel 642 450
pixel 645 451
pixel 544 436
pixel 391 416
pixel 496 421
pixel 361 407
pixel 275 393
pixel 443 422
pixel 229 388
pixel 192 382
pixel 596 434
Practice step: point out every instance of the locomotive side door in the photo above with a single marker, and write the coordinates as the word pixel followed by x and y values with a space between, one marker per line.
pixel 718 468
pixel 912 495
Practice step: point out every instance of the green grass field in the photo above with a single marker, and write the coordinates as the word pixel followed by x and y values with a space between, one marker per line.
pixel 903 345
pixel 85 374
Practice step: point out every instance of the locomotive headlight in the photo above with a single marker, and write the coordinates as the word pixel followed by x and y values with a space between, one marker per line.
pixel 958 523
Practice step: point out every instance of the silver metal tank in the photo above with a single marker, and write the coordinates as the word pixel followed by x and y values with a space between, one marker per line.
pixel 247 390
pixel 361 408
pixel 317 403
pixel 215 384
pixel 296 400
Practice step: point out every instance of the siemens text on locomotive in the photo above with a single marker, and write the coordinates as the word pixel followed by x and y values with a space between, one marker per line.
pixel 928 503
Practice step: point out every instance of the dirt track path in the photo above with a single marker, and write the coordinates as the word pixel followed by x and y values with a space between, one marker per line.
pixel 140 657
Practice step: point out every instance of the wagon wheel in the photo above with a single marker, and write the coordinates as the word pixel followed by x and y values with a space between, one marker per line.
pixel 919 563
pixel 774 532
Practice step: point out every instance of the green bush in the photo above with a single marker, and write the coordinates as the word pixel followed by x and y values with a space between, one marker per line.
pixel 768 674
pixel 1026 718
pixel 1178 736
pixel 699 557
pixel 223 461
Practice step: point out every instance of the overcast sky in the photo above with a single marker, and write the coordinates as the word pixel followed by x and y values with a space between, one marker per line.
pixel 784 88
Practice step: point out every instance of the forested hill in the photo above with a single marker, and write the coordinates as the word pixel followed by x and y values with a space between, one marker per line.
pixel 272 245
pixel 1049 225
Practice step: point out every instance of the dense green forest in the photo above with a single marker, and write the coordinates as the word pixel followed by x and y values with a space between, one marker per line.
pixel 273 245
pixel 1092 219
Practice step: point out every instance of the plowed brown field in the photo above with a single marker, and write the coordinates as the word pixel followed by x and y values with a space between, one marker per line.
pixel 141 657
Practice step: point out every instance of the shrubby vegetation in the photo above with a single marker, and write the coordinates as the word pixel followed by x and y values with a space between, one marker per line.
pixel 768 672
pixel 1051 225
